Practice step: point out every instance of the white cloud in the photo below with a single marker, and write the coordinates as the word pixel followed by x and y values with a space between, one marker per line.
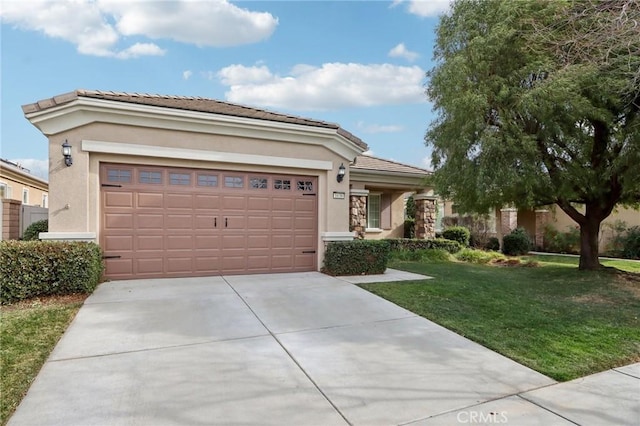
pixel 239 75
pixel 400 51
pixel 140 49
pixel 187 74
pixel 331 86
pixel 428 8
pixel 36 167
pixel 378 128
pixel 369 153
pixel 96 27
pixel 204 23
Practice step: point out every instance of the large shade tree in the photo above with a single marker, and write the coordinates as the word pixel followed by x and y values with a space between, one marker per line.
pixel 538 103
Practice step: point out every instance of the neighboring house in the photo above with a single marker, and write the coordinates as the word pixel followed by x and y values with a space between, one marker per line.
pixel 17 183
pixel 174 186
pixel 24 199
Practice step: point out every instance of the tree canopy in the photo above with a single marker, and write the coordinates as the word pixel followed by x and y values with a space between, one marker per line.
pixel 538 103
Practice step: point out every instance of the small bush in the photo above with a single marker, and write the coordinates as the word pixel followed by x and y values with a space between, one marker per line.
pixel 423 255
pixel 413 244
pixel 358 257
pixel 33 230
pixel 493 244
pixel 631 243
pixel 561 242
pixel 516 243
pixel 459 234
pixel 477 256
pixel 410 228
pixel 41 268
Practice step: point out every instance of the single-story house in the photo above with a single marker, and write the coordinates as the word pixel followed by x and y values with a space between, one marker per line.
pixel 174 186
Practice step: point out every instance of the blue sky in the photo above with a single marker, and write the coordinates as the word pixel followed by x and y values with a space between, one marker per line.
pixel 361 64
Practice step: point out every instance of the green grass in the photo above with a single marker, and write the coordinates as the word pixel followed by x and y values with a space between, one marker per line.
pixel 560 321
pixel 572 261
pixel 28 332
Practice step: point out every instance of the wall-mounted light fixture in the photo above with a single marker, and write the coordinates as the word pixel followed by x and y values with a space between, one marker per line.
pixel 341 172
pixel 66 151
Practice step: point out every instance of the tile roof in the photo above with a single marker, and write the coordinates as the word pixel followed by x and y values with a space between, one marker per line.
pixel 190 103
pixel 368 162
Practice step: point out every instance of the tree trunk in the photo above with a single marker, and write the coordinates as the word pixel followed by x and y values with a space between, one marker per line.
pixel 589 233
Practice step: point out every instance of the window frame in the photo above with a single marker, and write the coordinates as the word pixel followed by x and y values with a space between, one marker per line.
pixel 7 191
pixel 370 219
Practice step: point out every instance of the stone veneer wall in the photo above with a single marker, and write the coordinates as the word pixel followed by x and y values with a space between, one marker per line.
pixel 426 211
pixel 11 219
pixel 542 218
pixel 508 220
pixel 358 215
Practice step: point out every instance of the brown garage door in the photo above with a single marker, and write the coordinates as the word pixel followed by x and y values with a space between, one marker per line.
pixel 166 222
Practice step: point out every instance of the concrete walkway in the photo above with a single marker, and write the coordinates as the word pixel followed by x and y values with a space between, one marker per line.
pixel 293 349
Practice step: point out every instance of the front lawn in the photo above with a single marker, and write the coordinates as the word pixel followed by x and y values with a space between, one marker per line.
pixel 28 332
pixel 560 321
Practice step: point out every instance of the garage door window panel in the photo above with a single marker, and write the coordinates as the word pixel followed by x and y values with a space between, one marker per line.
pixel 207 180
pixel 305 185
pixel 234 182
pixel 119 175
pixel 180 179
pixel 258 183
pixel 282 184
pixel 150 177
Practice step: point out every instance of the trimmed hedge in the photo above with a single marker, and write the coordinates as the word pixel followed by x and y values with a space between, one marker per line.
pixel 414 244
pixel 493 244
pixel 460 234
pixel 516 243
pixel 41 268
pixel 33 231
pixel 357 257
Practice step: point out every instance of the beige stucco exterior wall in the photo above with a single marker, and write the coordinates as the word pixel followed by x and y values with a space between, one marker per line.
pixel 18 186
pixel 74 199
pixel 397 219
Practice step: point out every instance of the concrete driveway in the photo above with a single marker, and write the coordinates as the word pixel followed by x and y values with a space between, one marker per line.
pixel 283 349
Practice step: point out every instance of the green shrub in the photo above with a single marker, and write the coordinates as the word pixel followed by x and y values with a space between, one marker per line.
pixel 422 255
pixel 477 256
pixel 410 228
pixel 458 233
pixel 357 257
pixel 516 243
pixel 33 230
pixel 40 268
pixel 413 244
pixel 493 244
pixel 561 242
pixel 631 243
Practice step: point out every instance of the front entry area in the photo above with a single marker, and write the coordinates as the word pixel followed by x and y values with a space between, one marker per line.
pixel 178 222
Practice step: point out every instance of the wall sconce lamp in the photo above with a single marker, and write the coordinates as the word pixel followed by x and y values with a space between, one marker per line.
pixel 66 151
pixel 341 172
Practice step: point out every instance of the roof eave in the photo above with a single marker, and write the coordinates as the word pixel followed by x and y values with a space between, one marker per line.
pixel 85 110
